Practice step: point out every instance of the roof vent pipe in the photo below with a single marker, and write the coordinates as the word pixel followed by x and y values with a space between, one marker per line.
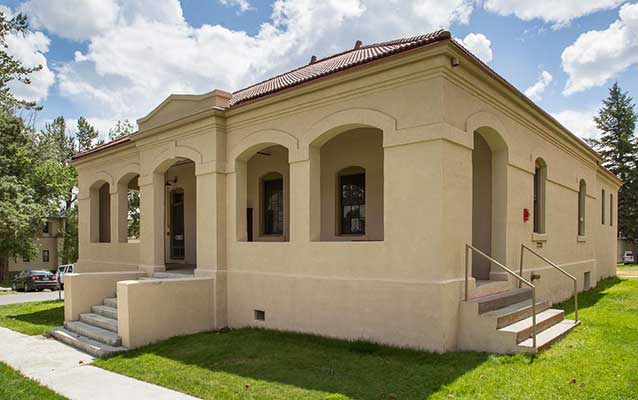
pixel 358 44
pixel 313 60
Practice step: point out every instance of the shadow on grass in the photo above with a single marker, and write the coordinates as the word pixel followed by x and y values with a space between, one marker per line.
pixel 591 297
pixel 359 370
pixel 51 316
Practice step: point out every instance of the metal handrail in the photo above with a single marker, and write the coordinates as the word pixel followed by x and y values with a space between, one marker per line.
pixel 570 276
pixel 468 249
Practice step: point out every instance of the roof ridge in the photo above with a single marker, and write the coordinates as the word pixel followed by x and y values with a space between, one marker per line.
pixel 319 70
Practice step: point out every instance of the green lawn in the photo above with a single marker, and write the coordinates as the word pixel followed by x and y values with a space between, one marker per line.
pixel 598 360
pixel 628 267
pixel 33 318
pixel 14 386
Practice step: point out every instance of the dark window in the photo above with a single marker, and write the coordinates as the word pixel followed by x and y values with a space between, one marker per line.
pixel 274 207
pixel 177 225
pixel 45 255
pixel 581 208
pixel 353 203
pixel 611 210
pixel 45 227
pixel 602 210
pixel 26 259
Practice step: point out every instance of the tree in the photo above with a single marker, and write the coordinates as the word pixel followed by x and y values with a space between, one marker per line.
pixel 54 143
pixel 122 128
pixel 617 145
pixel 31 188
pixel 86 135
pixel 12 69
pixel 134 214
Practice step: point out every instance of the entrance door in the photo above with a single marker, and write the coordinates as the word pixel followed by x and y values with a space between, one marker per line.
pixel 177 224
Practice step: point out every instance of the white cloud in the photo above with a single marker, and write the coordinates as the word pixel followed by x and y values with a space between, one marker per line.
pixel 479 45
pixel 596 56
pixel 534 92
pixel 132 66
pixel 244 5
pixel 30 49
pixel 558 12
pixel 72 19
pixel 579 122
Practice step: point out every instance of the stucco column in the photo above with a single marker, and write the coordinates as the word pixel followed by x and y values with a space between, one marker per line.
pixel 84 226
pixel 119 207
pixel 305 197
pixel 152 222
pixel 114 215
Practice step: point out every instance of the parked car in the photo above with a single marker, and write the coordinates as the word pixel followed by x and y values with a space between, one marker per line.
pixel 34 279
pixel 63 270
pixel 628 257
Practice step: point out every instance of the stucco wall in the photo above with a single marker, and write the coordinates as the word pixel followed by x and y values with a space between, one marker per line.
pixel 404 289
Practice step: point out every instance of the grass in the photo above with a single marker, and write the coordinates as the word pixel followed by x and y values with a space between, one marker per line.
pixel 33 318
pixel 628 267
pixel 596 361
pixel 14 386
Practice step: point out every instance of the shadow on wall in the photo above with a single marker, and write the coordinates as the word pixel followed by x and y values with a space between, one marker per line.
pixel 589 298
pixel 297 363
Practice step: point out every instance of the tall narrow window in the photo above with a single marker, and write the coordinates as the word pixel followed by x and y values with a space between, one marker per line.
pixel 603 209
pixel 273 209
pixel 611 209
pixel 45 255
pixel 352 189
pixel 45 227
pixel 540 176
pixel 582 190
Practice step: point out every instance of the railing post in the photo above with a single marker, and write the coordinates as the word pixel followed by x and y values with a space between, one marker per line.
pixel 534 317
pixel 576 301
pixel 467 267
pixel 520 284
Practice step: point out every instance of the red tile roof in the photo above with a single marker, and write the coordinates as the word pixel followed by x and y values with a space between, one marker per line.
pixel 335 63
pixel 358 55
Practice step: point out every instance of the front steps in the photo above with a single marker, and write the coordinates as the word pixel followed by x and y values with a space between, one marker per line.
pixel 502 323
pixel 95 333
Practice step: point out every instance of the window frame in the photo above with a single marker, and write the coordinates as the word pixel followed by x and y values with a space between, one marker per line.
pixel 603 206
pixel 611 209
pixel 273 214
pixel 45 256
pixel 353 178
pixel 46 228
pixel 582 205
pixel 539 196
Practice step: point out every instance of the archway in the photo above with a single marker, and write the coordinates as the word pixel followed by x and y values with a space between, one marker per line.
pixel 489 200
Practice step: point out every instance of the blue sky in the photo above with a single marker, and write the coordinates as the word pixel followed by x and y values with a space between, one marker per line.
pixel 116 59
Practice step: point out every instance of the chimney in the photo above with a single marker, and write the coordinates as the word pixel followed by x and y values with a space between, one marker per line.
pixel 358 44
pixel 313 60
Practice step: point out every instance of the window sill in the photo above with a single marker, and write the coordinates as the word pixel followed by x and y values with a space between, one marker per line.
pixel 581 239
pixel 540 237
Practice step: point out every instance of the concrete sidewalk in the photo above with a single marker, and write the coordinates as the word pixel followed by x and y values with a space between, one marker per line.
pixel 66 371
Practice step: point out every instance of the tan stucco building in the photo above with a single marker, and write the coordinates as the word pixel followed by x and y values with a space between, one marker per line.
pixel 338 199
pixel 48 243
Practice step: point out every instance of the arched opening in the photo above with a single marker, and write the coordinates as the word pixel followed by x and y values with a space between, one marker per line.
pixel 582 193
pixel 100 199
pixel 540 176
pixel 351 185
pixel 489 200
pixel 263 194
pixel 180 215
pixel 128 191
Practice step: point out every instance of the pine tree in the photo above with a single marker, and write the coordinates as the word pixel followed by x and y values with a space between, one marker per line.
pixel 618 147
pixel 86 135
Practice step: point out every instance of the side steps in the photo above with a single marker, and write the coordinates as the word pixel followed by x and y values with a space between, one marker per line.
pixel 94 333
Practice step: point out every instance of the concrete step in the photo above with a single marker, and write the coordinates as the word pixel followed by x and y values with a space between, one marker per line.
pixel 83 343
pixel 99 321
pixel 544 320
pixel 93 332
pixel 501 300
pixel 166 275
pixel 516 312
pixel 487 288
pixel 549 335
pixel 105 311
pixel 111 302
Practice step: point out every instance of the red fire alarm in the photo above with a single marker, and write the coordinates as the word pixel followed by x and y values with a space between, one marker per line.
pixel 525 214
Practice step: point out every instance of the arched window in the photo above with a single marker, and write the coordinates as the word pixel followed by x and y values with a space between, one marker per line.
pixel 540 176
pixel 273 204
pixel 352 201
pixel 582 191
